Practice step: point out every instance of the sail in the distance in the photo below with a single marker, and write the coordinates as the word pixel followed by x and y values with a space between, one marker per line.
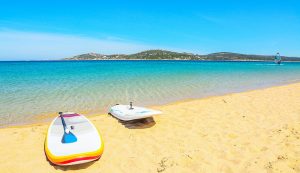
pixel 277 58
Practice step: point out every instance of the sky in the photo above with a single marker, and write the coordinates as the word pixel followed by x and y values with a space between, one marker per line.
pixel 42 30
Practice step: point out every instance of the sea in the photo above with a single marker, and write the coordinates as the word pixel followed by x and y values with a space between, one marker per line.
pixel 31 89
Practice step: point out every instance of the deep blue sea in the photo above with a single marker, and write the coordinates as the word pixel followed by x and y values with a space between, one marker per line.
pixel 32 88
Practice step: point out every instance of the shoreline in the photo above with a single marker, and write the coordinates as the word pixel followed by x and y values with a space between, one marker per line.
pixel 252 131
pixel 43 119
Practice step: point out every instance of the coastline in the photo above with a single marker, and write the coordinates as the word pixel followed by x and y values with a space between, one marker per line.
pixel 47 118
pixel 252 131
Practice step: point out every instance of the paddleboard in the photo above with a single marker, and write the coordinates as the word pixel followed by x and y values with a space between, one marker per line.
pixel 123 112
pixel 87 147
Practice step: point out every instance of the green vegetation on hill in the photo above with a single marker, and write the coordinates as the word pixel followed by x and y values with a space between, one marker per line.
pixel 169 55
pixel 162 54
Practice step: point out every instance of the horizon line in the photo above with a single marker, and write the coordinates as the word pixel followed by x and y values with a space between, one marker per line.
pixel 64 59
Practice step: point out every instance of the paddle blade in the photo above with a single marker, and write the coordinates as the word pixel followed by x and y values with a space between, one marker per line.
pixel 68 138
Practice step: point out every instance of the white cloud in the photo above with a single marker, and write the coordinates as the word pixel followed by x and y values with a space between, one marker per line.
pixel 20 45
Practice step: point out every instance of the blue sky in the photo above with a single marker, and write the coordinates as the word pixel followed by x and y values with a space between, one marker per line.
pixel 57 29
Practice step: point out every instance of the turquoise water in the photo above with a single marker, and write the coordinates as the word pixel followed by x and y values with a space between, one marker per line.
pixel 28 89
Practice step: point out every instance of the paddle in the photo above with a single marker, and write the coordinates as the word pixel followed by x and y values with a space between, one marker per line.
pixel 131 106
pixel 68 136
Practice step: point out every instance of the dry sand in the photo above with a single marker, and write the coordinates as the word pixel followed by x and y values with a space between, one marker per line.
pixel 255 131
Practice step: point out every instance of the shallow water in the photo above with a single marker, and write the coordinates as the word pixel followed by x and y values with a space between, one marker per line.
pixel 35 88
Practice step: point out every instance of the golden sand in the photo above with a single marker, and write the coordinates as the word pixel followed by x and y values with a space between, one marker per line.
pixel 255 131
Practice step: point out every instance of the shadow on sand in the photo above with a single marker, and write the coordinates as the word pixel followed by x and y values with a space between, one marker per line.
pixel 73 167
pixel 137 124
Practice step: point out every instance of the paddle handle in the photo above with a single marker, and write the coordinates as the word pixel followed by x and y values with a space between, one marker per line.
pixel 63 120
pixel 131 105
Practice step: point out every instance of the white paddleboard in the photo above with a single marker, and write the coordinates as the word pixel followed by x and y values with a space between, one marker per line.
pixel 88 147
pixel 123 112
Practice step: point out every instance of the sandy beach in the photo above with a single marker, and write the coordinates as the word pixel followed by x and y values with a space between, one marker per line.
pixel 254 131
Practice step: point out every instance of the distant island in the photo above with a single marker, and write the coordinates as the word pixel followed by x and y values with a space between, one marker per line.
pixel 169 55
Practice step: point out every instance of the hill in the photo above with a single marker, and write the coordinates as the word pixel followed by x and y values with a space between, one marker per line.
pixel 169 55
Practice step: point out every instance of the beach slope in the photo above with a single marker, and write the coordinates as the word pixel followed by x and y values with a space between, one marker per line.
pixel 255 131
